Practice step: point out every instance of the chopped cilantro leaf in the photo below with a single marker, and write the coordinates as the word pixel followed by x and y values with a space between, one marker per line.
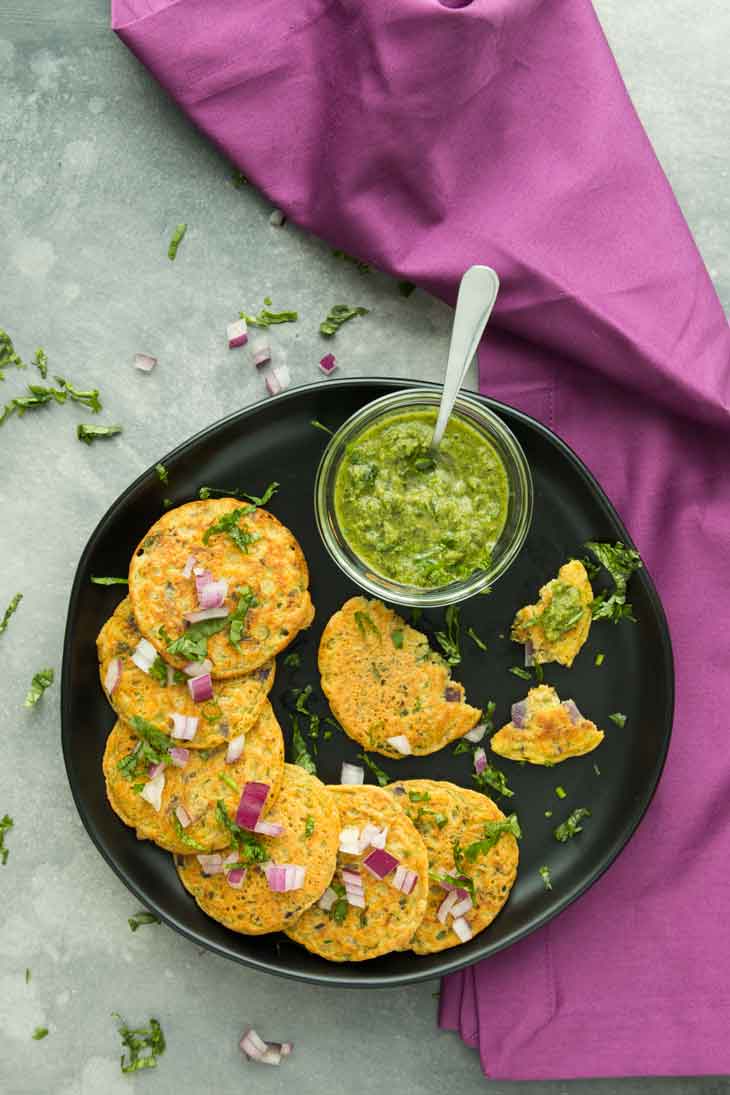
pixel 302 756
pixel 320 426
pixel 42 680
pixel 266 317
pixel 40 360
pixel 158 671
pixel 560 792
pixel 8 357
pixel 249 847
pixel 381 776
pixel 493 831
pixel 366 623
pixel 339 910
pixel 620 562
pixel 618 718
pixel 518 671
pixel 293 660
pixel 177 238
pixel 88 433
pixel 309 826
pixel 337 315
pixel 15 601
pixel 27 976
pixel 184 836
pixel 193 643
pixel 492 777
pixel 162 474
pixel 229 781
pixel 599 659
pixel 141 918
pixel 570 826
pixel 545 876
pixel 158 741
pixel 109 581
pixel 88 399
pixel 548 813
pixel 237 619
pixel 6 823
pixel 39 1032
pixel 419 796
pixel 463 881
pixel 143 1045
pixel 397 637
pixel 448 640
pixel 228 524
pixel 475 638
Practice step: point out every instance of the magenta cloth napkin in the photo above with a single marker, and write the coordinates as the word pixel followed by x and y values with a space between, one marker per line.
pixel 424 137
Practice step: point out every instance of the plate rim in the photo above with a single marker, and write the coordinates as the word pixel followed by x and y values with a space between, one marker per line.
pixel 338 976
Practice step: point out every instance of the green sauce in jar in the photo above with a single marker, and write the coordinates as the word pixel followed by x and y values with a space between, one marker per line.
pixel 420 519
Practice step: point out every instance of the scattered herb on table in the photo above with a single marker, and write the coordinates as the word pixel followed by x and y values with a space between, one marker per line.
pixel 320 426
pixel 448 640
pixel 88 433
pixel 39 1033
pixel 539 675
pixel 193 643
pixel 266 318
pixel 229 525
pixel 301 704
pixel 302 756
pixel 12 607
pixel 108 581
pixel 143 1045
pixel 518 671
pixel 548 813
pixel 292 660
pixel 493 778
pixel 27 976
pixel 571 826
pixel 337 315
pixel 599 659
pixel 6 823
pixel 405 288
pixel 237 619
pixel 162 474
pixel 9 359
pixel 382 777
pixel 40 360
pixel 596 769
pixel 88 398
pixel 620 562
pixel 42 680
pixel 362 267
pixel 141 918
pixel 177 238
pixel 618 718
pixel 236 492
pixel 561 792
pixel 475 638
pixel 545 876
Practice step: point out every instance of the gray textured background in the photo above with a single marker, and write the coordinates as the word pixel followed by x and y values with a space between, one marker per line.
pixel 96 167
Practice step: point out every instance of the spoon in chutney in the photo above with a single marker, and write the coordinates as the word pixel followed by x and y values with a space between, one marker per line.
pixel 477 293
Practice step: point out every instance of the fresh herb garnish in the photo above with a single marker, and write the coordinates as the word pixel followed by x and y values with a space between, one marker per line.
pixel 339 910
pixel 493 831
pixel 158 671
pixel 228 524
pixel 229 781
pixel 545 876
pixel 548 813
pixel 159 742
pixel 309 826
pixel 337 315
pixel 249 847
pixel 266 317
pixel 237 619
pixel 144 1045
pixel 10 610
pixel 162 474
pixel 39 1032
pixel 42 680
pixel 236 492
pixel 40 360
pixel 366 623
pixel 475 638
pixel 88 398
pixel 620 562
pixel 320 426
pixel 448 640
pixel 570 826
pixel 494 778
pixel 599 659
pixel 183 836
pixel 302 756
pixel 193 643
pixel 88 433
pixel 381 776
pixel 8 357
pixel 518 671
pixel 108 581
pixel 618 718
pixel 397 637
pixel 293 660
pixel 177 238
pixel 141 918
pixel 561 792
pixel 6 823
pixel 463 881
pixel 405 288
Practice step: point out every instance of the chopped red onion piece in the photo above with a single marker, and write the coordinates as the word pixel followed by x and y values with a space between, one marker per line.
pixel 462 929
pixel 252 802
pixel 328 364
pixel 446 906
pixel 213 594
pixel 277 218
pixel 183 726
pixel 268 828
pixel 235 748
pixel 113 675
pixel 462 906
pixel 449 886
pixel 232 857
pixel 253 1046
pixel 155 769
pixel 183 816
pixel 144 362
pixel 210 864
pixel 284 877
pixel 351 774
pixel 350 840
pixel 373 836
pixel 570 707
pixel 179 756
pixel 196 669
pixel 203 578
pixel 201 688
pixel 477 733
pixel 401 743
pixel 404 879
pixel 519 714
pixel 237 333
pixel 285 1048
pixel 452 694
pixel 261 350
pixel 187 570
pixel 327 899
pixel 295 876
pixel 480 760
pixel 205 614
pixel 144 655
pixel 357 900
pixel 380 863
pixel 282 374
pixel 354 887
pixel 235 878
pixel 152 791
pixel 529 653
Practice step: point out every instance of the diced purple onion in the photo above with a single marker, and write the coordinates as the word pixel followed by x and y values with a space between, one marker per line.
pixel 446 906
pixel 113 675
pixel 519 714
pixel 183 816
pixel 268 828
pixel 235 749
pixel 155 769
pixel 203 578
pixel 452 694
pixel 477 733
pixel 529 653
pixel 480 760
pixel 401 743
pixel 462 906
pixel 264 1053
pixel 261 350
pixel 284 877
pixel 196 669
pixel 144 655
pixel 570 707
pixel 205 614
pixel 350 840
pixel 328 364
pixel 179 756
pixel 152 791
pixel 277 218
pixel 462 929
pixel 144 362
pixel 252 802
pixel 190 562
pixel 183 726
pixel 213 594
pixel 404 879
pixel 351 774
pixel 449 887
pixel 373 836
pixel 237 333
pixel 380 863
pixel 354 887
pixel 211 864
pixel 235 878
pixel 201 688
pixel 327 899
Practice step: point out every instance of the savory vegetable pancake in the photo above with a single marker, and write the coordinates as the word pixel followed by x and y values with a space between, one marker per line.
pixel 155 695
pixel 368 914
pixel 230 571
pixel 385 685
pixel 558 625
pixel 311 829
pixel 545 730
pixel 185 814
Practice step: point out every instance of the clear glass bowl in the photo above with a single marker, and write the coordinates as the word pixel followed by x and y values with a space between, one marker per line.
pixel 519 503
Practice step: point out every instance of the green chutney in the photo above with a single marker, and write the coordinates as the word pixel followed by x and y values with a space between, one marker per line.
pixel 419 518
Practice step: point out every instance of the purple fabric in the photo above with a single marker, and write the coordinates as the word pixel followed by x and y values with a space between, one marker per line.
pixel 423 138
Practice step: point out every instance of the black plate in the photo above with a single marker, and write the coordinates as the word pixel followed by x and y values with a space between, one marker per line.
pixel 275 440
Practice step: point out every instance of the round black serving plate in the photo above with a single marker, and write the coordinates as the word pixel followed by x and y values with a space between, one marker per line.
pixel 275 440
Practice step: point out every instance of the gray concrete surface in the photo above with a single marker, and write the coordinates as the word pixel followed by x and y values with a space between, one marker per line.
pixel 96 167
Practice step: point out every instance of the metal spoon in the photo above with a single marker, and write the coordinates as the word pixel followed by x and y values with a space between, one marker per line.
pixel 477 294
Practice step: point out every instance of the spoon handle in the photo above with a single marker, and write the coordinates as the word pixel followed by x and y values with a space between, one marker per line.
pixel 477 293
